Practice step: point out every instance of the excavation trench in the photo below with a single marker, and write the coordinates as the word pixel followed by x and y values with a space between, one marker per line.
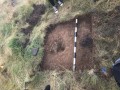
pixel 59 44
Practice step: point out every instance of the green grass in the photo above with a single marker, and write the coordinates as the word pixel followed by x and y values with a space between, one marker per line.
pixel 16 46
pixel 98 83
pixel 6 29
pixel 21 64
pixel 23 12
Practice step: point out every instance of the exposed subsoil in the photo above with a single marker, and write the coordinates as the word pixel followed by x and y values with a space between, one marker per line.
pixel 59 44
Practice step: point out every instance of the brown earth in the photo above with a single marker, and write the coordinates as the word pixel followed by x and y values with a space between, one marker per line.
pixel 59 44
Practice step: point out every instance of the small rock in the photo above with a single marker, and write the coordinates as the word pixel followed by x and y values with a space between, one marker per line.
pixel 35 51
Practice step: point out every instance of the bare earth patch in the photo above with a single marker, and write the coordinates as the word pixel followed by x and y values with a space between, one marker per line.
pixel 59 44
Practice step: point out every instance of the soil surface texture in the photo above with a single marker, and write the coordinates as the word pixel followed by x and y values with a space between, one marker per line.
pixel 59 45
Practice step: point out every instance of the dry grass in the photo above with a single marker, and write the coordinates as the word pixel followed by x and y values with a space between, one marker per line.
pixel 21 67
pixel 64 80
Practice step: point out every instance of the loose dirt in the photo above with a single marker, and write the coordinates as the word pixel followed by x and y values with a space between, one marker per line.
pixel 59 44
pixel 85 45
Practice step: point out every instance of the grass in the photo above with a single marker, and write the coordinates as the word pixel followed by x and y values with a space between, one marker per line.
pixel 16 46
pixel 96 82
pixel 58 80
pixel 20 62
pixel 6 29
pixel 22 13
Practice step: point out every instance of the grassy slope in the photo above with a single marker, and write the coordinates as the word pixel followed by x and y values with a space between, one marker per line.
pixel 16 69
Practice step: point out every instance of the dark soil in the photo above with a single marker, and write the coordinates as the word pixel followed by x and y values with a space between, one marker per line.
pixel 35 16
pixel 87 42
pixel 27 30
pixel 85 51
pixel 59 44
pixel 33 19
